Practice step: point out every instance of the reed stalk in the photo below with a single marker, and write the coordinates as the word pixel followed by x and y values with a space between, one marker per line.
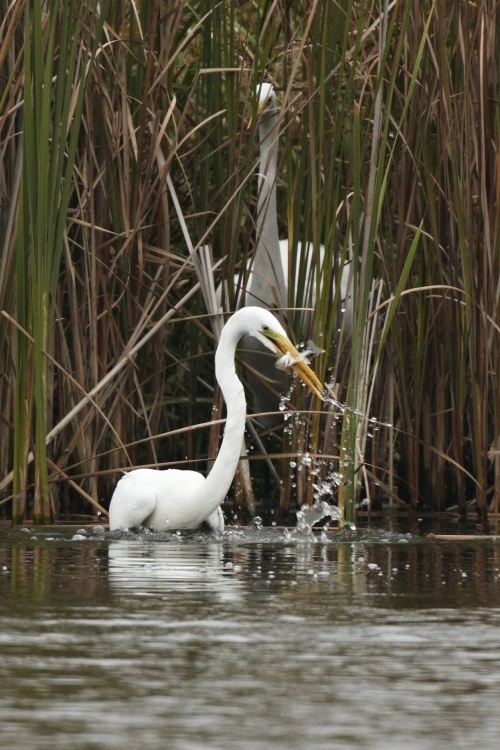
pixel 55 69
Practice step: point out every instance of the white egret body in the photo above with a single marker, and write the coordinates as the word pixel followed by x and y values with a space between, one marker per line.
pixel 179 499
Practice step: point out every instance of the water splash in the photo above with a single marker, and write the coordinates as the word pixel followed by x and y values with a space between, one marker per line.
pixel 257 522
pixel 308 515
pixel 343 408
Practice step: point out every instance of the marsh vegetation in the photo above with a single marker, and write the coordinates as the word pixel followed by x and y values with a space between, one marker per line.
pixel 128 194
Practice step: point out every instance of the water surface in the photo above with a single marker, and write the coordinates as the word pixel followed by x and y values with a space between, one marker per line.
pixel 244 640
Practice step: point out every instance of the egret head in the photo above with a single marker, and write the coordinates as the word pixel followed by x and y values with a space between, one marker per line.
pixel 266 101
pixel 269 331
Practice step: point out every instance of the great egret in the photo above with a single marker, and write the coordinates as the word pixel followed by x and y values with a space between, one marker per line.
pixel 268 274
pixel 178 499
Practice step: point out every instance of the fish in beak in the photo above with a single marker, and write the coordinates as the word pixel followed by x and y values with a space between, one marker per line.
pixel 291 358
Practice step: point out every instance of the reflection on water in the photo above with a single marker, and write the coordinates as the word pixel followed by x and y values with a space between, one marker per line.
pixel 145 568
pixel 244 640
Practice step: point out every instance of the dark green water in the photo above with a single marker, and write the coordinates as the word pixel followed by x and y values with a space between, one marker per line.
pixel 371 640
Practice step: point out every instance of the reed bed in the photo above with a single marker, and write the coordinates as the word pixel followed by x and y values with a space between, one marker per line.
pixel 128 194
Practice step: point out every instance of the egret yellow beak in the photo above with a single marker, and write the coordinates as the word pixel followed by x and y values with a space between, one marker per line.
pixel 261 104
pixel 297 362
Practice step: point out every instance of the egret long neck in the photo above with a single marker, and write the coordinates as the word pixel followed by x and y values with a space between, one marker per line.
pixel 267 283
pixel 221 475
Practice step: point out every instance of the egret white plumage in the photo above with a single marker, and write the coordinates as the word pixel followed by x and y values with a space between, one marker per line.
pixel 268 274
pixel 180 499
